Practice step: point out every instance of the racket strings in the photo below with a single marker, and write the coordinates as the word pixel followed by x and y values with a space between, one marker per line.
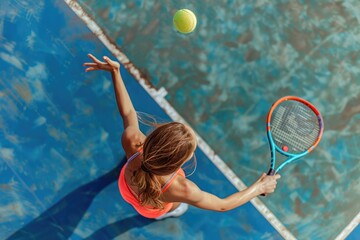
pixel 295 125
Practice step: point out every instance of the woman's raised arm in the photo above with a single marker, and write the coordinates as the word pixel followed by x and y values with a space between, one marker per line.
pixel 123 100
pixel 132 135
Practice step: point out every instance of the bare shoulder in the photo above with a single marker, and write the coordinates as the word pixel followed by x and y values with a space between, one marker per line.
pixel 131 139
pixel 181 189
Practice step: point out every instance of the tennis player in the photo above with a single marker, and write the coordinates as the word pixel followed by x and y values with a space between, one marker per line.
pixel 152 180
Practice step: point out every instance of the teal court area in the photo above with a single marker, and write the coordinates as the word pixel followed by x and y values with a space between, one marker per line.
pixel 60 150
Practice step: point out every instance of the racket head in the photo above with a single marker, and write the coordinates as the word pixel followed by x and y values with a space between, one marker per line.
pixel 294 126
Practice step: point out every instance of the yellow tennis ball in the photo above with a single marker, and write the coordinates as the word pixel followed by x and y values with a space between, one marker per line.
pixel 184 21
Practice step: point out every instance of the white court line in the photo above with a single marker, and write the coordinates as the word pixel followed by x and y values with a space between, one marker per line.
pixel 349 228
pixel 159 95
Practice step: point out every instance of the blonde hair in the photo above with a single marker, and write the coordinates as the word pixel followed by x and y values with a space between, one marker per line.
pixel 164 151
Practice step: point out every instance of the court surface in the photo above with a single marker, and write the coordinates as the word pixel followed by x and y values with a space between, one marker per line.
pixel 60 140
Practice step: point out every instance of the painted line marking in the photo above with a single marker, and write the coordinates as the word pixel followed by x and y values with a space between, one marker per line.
pixel 349 228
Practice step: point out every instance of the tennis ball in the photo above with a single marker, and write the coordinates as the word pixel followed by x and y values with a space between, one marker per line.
pixel 184 21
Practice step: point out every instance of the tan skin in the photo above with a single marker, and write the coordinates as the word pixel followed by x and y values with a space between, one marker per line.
pixel 182 189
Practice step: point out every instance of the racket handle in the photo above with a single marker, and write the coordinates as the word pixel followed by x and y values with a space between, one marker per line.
pixel 271 172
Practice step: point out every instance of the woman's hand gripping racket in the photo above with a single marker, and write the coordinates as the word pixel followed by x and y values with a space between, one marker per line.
pixel 294 128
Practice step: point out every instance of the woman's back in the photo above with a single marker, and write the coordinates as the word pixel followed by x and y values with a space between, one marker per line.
pixel 134 163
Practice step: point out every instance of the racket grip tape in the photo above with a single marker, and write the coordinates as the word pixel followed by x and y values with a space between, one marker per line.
pixel 271 172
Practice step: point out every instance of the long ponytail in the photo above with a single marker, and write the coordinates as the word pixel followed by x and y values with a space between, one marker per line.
pixel 164 151
pixel 149 189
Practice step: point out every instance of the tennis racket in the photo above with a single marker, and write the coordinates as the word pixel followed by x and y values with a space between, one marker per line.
pixel 294 128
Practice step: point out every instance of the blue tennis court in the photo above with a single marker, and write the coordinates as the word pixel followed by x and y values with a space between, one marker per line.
pixel 60 135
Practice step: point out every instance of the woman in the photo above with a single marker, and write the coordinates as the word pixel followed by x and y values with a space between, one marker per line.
pixel 152 180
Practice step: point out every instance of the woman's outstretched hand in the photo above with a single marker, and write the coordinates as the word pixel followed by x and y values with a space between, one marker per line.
pixel 266 184
pixel 109 65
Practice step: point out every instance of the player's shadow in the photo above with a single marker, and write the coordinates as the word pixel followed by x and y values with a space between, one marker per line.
pixel 60 220
pixel 115 229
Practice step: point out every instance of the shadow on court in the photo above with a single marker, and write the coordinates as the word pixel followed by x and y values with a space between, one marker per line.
pixel 60 221
pixel 112 230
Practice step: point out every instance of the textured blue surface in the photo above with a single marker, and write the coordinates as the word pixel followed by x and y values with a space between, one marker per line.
pixel 243 56
pixel 60 149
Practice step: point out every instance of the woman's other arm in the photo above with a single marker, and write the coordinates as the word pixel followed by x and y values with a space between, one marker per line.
pixel 186 191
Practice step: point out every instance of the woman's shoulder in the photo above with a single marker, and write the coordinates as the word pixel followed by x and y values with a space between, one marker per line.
pixel 180 187
pixel 132 140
